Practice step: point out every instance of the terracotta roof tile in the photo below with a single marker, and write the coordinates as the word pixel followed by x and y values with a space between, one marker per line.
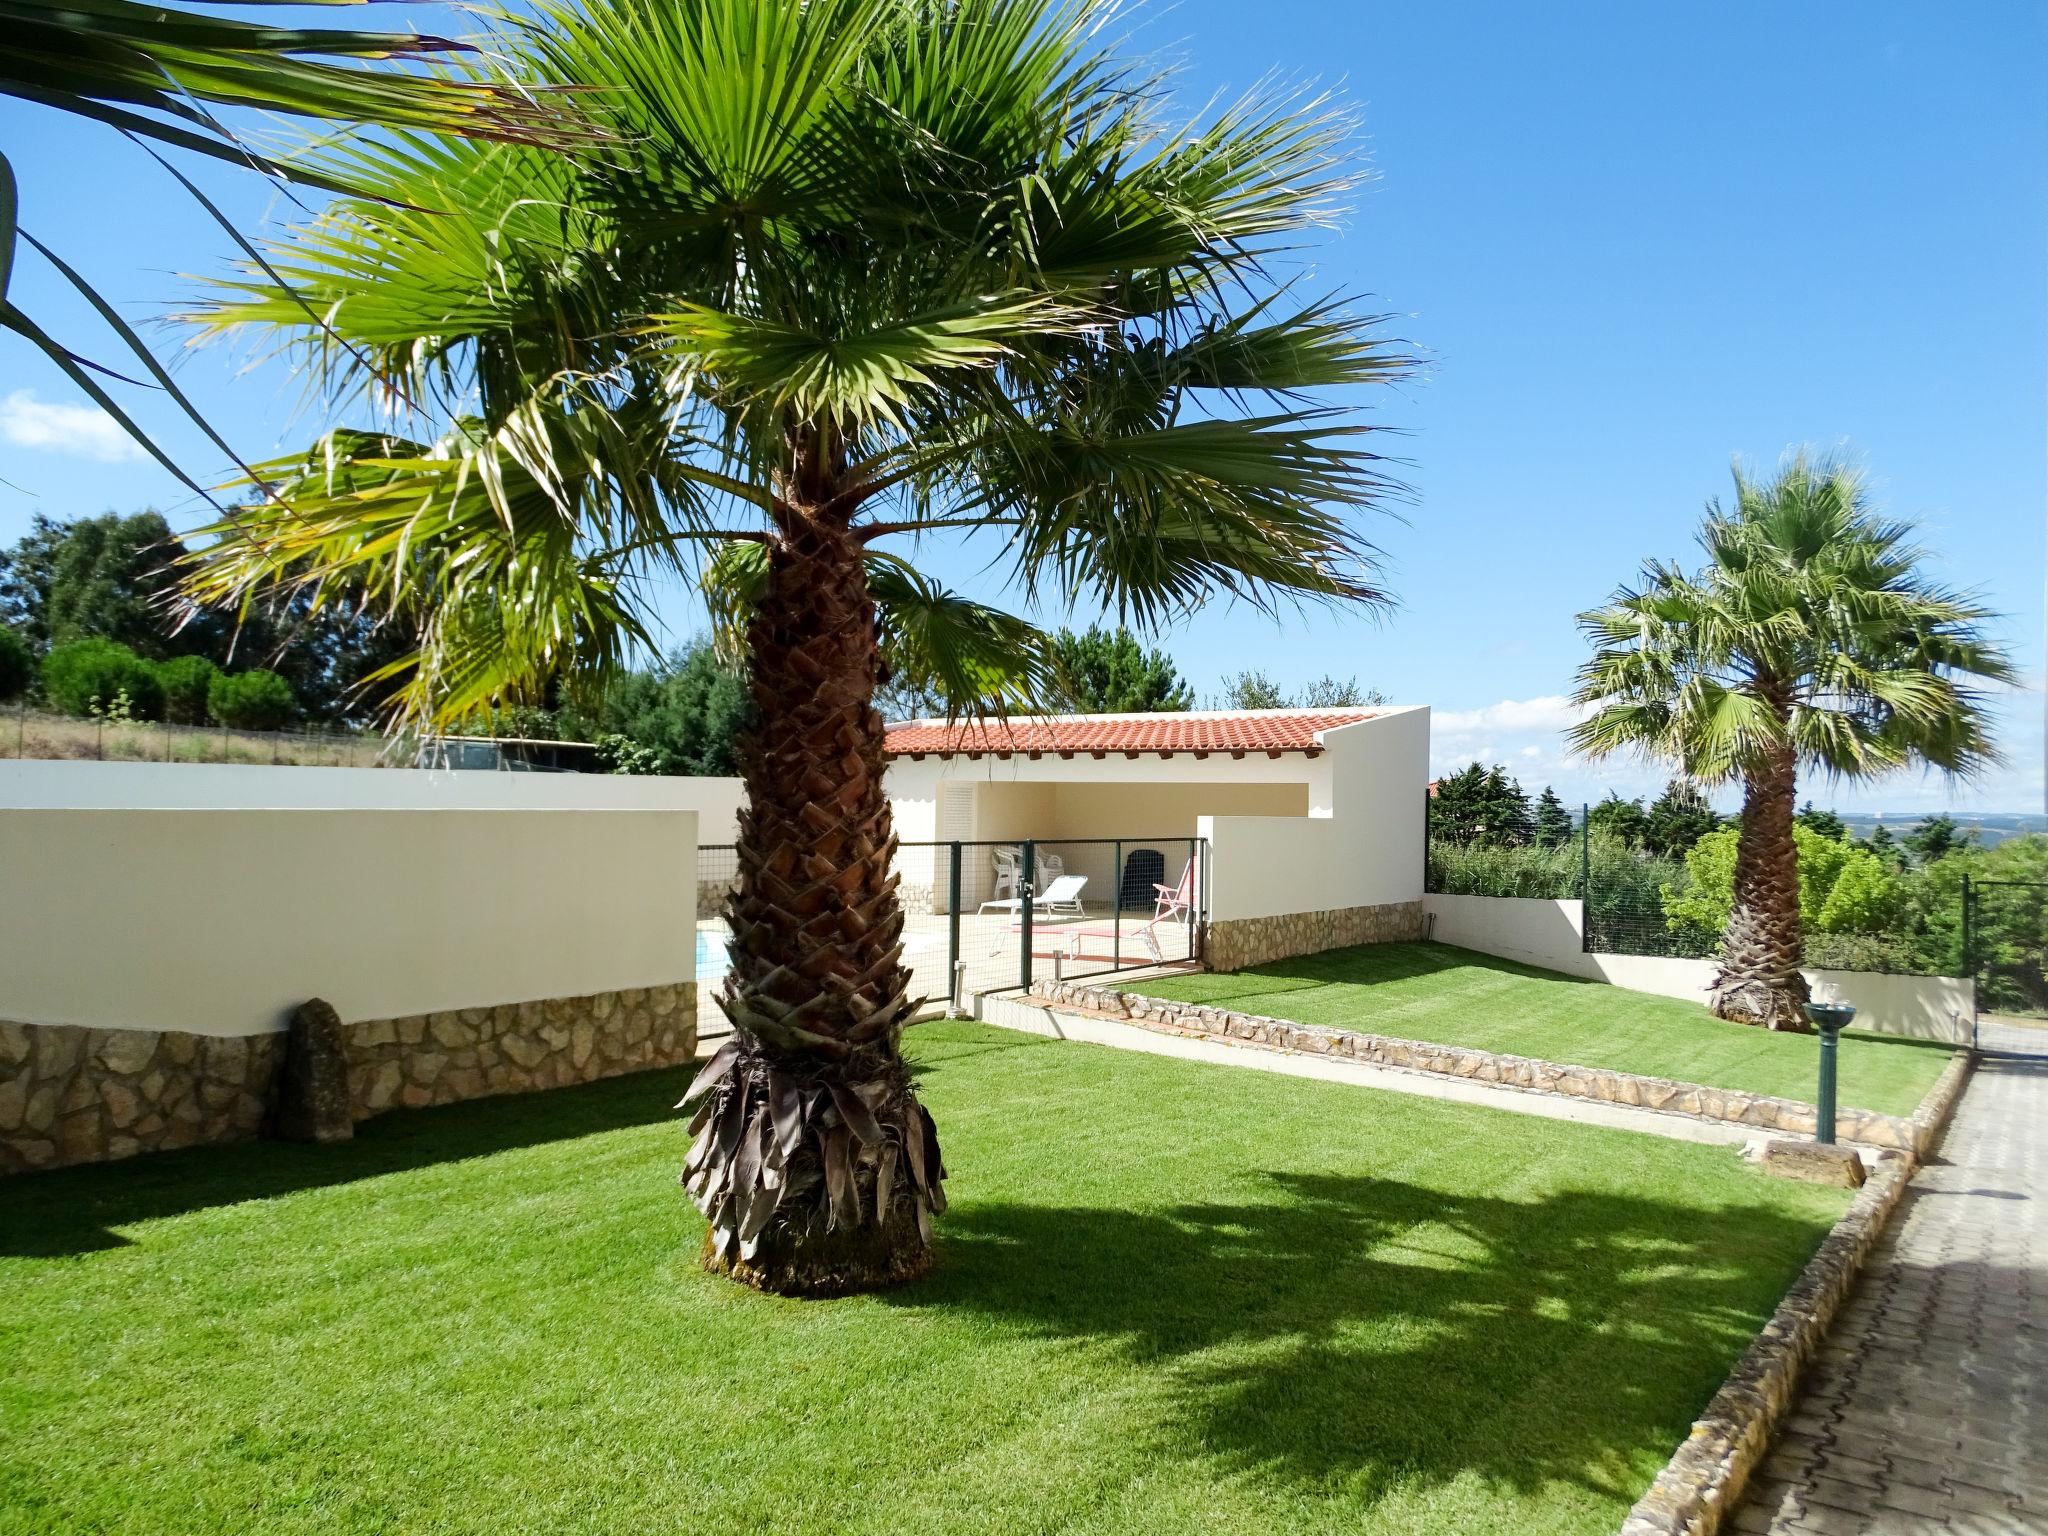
pixel 1243 730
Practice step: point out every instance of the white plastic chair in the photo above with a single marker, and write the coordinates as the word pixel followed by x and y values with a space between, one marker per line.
pixel 1009 864
pixel 1062 898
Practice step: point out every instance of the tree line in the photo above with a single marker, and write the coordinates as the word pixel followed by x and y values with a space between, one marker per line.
pixel 91 624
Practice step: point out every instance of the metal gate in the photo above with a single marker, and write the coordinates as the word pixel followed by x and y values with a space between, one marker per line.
pixel 998 914
pixel 2005 951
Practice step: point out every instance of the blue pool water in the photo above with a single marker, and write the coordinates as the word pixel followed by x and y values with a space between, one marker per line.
pixel 712 961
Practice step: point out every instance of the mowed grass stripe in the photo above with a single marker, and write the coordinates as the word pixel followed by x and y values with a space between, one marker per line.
pixel 1170 1297
pixel 1451 996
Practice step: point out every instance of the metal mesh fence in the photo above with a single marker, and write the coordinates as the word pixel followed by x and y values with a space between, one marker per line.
pixel 1623 922
pixel 988 916
pixel 1624 918
pixel 1638 903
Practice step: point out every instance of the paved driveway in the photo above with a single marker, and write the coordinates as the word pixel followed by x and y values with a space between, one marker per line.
pixel 1927 1411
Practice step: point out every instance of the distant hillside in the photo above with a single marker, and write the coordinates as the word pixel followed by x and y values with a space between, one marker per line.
pixel 1991 827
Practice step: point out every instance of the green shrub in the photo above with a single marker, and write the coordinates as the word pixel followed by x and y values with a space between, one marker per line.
pixel 188 684
pixel 1843 887
pixel 17 664
pixel 622 754
pixel 255 700
pixel 1892 952
pixel 1623 876
pixel 92 676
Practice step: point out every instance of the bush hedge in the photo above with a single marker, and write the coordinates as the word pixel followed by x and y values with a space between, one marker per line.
pixel 17 664
pixel 188 683
pixel 255 700
pixel 88 676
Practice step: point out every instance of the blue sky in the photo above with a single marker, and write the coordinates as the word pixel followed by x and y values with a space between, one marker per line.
pixel 1634 242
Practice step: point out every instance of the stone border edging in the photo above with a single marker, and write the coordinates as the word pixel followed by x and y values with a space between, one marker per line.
pixel 1701 1484
pixel 1909 1134
pixel 1935 1111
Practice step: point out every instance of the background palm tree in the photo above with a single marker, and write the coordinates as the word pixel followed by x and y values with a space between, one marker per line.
pixel 862 272
pixel 1811 637
pixel 154 73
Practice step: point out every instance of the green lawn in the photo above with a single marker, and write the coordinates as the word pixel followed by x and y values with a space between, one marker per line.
pixel 1452 996
pixel 1170 1297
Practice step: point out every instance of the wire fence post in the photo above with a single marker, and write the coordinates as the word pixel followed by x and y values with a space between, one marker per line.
pixel 953 925
pixel 1116 922
pixel 1967 960
pixel 1585 878
pixel 1028 875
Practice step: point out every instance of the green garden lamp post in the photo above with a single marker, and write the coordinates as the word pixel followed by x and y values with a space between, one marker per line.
pixel 1830 1019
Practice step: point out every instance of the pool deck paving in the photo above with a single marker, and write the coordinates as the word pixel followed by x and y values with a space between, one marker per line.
pixel 1927 1409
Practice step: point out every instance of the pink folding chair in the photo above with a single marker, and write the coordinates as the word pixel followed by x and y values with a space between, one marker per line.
pixel 1171 903
pixel 1177 900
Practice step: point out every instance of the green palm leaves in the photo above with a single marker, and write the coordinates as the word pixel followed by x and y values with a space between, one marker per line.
pixel 911 267
pixel 1811 625
pixel 151 73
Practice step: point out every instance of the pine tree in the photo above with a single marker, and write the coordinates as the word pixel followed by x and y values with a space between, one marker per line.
pixel 1457 805
pixel 1621 820
pixel 1936 838
pixel 1553 821
pixel 1826 823
pixel 1508 823
pixel 1109 672
pixel 1677 819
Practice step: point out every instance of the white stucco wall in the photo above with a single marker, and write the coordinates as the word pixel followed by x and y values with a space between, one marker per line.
pixel 1360 844
pixel 1550 934
pixel 216 899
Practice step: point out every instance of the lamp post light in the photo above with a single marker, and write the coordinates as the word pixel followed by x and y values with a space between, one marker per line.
pixel 1830 1019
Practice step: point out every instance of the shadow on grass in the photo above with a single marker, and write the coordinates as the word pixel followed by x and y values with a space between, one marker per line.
pixel 1350 1334
pixel 75 1210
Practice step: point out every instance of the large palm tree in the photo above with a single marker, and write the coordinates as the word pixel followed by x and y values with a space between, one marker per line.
pixel 1811 638
pixel 864 272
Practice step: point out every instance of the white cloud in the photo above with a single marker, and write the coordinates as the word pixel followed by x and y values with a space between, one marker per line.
pixel 83 431
pixel 1547 715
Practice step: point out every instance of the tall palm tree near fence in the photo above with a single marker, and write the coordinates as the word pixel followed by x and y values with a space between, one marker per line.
pixel 862 272
pixel 1811 638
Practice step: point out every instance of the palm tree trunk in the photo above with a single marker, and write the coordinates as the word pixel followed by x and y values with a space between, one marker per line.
pixel 816 1166
pixel 1759 981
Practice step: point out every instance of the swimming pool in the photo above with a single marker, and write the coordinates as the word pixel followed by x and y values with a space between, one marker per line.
pixel 712 958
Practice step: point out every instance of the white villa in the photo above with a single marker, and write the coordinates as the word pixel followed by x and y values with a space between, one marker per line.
pixel 1311 817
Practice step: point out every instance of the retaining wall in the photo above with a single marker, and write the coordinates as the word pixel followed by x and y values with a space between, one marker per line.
pixel 70 1094
pixel 1913 1134
pixel 1550 934
pixel 481 932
